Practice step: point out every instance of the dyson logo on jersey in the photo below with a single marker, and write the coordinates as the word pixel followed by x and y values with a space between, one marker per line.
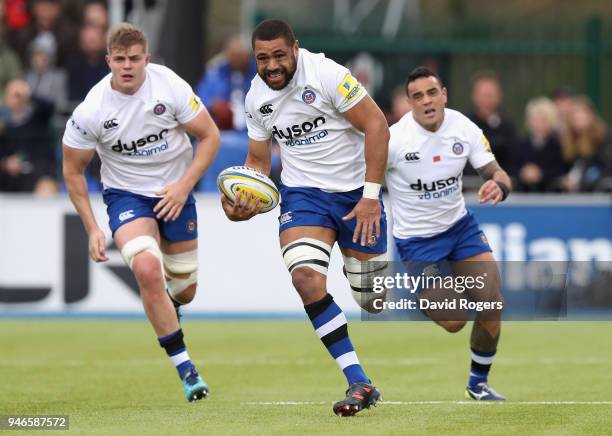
pixel 437 188
pixel 297 129
pixel 290 134
pixel 307 140
pixel 132 147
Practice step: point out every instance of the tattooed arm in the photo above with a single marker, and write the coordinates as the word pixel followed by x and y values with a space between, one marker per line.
pixel 497 183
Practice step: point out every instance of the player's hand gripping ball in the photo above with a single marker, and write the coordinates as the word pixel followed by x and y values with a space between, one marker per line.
pixel 239 180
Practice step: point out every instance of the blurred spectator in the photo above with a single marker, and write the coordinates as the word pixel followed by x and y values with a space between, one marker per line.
pixel 16 14
pixel 88 67
pixel 46 19
pixel 487 99
pixel 400 105
pixel 10 67
pixel 563 98
pixel 46 82
pixel 95 14
pixel 225 84
pixel 586 145
pixel 539 162
pixel 368 70
pixel 605 156
pixel 27 157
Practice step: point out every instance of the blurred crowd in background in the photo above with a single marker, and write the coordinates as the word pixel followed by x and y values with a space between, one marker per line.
pixel 50 56
pixel 52 53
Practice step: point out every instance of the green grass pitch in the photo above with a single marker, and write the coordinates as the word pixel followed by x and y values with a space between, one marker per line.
pixel 274 377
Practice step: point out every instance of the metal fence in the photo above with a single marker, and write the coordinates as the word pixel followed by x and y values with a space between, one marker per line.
pixel 533 57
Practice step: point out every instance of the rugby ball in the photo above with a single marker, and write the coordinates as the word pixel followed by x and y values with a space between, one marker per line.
pixel 234 181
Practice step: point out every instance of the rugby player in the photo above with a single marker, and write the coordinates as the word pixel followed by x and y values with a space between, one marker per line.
pixel 333 140
pixel 429 148
pixel 136 119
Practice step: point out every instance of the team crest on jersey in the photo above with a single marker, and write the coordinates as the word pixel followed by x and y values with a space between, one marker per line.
pixel 457 148
pixel 484 239
pixel 191 226
pixel 159 109
pixel 309 96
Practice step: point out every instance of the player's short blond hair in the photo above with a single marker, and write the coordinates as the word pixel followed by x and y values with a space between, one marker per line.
pixel 124 35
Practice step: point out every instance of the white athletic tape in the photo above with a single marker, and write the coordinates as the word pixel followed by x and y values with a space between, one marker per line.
pixel 307 252
pixel 138 245
pixel 361 274
pixel 183 264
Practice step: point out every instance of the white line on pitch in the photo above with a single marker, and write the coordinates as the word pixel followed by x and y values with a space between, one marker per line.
pixel 530 403
pixel 419 403
pixel 283 403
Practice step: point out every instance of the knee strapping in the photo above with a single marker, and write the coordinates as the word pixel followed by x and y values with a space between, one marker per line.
pixel 361 275
pixel 307 252
pixel 138 245
pixel 181 271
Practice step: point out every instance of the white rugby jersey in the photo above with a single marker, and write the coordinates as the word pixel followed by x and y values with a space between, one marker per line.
pixel 139 137
pixel 319 147
pixel 425 170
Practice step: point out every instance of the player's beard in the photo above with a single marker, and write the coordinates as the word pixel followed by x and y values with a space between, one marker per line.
pixel 288 74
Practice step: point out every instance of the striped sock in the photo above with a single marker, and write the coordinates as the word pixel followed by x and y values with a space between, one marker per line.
pixel 481 364
pixel 330 325
pixel 175 348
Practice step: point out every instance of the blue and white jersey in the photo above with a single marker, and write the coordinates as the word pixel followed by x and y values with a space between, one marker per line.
pixel 139 138
pixel 319 147
pixel 425 170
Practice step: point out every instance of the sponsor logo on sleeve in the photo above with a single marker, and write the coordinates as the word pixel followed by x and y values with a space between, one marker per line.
pixel 350 88
pixel 78 128
pixel 486 143
pixel 194 102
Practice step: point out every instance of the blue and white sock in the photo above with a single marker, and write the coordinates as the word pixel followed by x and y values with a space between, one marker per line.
pixel 176 350
pixel 481 365
pixel 330 325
